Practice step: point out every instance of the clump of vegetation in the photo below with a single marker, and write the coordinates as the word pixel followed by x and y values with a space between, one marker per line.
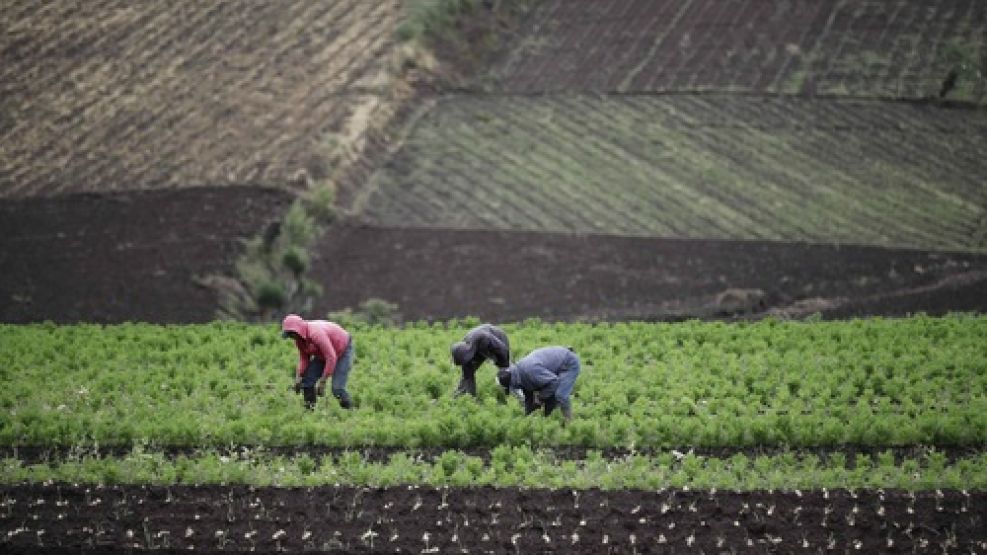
pixel 373 311
pixel 271 274
pixel 962 68
pixel 319 202
pixel 429 18
pixel 463 32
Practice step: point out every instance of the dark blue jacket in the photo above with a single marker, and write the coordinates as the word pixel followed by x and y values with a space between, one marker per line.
pixel 490 343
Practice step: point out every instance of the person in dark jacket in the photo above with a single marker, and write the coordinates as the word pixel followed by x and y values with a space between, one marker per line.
pixel 480 343
pixel 547 376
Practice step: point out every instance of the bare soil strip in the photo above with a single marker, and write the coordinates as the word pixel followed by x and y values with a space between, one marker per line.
pixel 57 518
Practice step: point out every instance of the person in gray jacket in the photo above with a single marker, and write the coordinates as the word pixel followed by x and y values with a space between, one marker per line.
pixel 480 343
pixel 545 376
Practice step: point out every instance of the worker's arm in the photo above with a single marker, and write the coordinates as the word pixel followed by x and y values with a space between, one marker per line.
pixel 469 369
pixel 302 363
pixel 529 402
pixel 498 351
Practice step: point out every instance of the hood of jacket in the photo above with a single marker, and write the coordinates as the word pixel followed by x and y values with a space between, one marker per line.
pixel 295 323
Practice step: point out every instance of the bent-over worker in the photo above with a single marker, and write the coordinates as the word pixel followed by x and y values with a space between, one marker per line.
pixel 325 350
pixel 547 375
pixel 483 342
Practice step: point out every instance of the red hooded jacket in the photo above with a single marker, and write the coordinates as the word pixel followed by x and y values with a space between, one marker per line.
pixel 319 338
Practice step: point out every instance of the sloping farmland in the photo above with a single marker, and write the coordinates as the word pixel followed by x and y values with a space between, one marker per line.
pixel 886 48
pixel 724 167
pixel 109 95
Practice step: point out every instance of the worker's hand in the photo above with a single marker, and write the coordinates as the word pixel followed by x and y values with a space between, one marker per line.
pixel 298 384
pixel 320 388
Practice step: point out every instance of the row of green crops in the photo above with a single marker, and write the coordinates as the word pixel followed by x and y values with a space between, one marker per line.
pixel 515 466
pixel 876 382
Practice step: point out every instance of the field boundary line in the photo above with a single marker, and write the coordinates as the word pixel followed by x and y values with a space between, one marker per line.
pixel 478 93
pixel 371 186
pixel 49 454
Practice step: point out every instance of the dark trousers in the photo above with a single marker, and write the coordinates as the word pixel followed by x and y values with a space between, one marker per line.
pixel 316 367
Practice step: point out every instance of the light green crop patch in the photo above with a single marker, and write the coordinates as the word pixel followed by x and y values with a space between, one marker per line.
pixel 917 381
pixel 519 466
pixel 895 175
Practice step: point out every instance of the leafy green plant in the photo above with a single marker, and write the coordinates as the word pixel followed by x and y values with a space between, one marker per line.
pixel 513 466
pixel 374 312
pixel 878 382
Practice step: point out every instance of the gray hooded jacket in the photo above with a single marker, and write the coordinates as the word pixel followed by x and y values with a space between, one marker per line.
pixel 540 370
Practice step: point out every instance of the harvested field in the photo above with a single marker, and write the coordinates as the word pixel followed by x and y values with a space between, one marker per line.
pixel 62 518
pixel 114 95
pixel 886 49
pixel 724 167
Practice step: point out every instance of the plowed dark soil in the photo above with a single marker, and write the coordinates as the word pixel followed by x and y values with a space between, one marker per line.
pixel 134 256
pixel 65 518
pixel 125 256
pixel 510 275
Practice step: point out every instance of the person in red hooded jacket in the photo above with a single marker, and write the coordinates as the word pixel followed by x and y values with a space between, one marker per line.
pixel 324 349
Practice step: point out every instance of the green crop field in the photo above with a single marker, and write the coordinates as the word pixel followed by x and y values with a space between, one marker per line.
pixel 652 388
pixel 702 167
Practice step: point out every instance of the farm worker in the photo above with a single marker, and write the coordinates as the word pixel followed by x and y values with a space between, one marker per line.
pixel 324 349
pixel 546 375
pixel 483 342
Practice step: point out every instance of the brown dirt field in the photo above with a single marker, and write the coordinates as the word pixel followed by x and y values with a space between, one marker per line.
pixel 114 258
pixel 886 49
pixel 125 256
pixel 485 520
pixel 110 95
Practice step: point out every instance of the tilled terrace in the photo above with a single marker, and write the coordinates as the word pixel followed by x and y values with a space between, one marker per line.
pixel 58 518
